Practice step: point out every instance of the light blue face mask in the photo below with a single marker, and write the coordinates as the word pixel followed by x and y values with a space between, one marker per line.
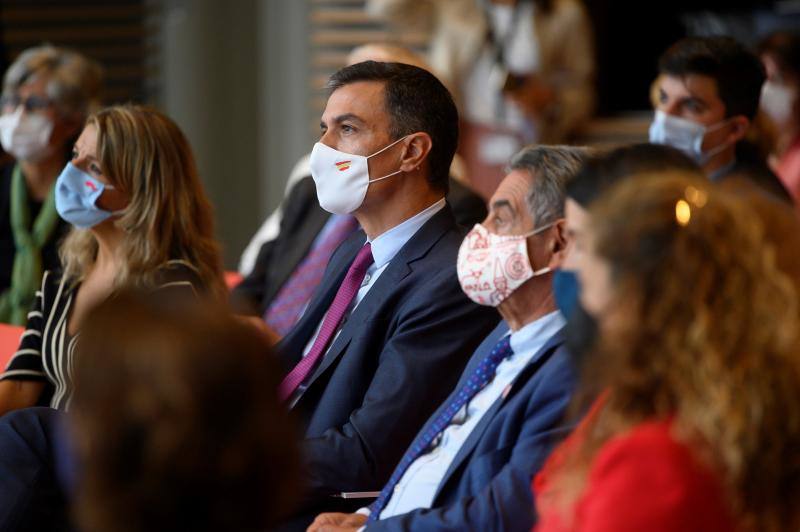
pixel 76 194
pixel 685 135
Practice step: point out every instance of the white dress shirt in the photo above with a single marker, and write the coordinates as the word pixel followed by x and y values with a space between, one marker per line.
pixel 418 486
pixel 384 249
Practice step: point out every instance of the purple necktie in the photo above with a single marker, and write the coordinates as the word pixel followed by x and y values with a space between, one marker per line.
pixel 480 377
pixel 285 308
pixel 347 291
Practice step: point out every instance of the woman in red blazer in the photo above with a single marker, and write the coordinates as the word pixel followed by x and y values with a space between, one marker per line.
pixel 698 425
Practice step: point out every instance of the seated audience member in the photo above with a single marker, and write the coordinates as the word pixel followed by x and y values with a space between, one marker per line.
pixel 47 94
pixel 708 95
pixel 471 463
pixel 780 100
pixel 284 262
pixel 599 173
pixel 389 330
pixel 698 424
pixel 175 422
pixel 140 217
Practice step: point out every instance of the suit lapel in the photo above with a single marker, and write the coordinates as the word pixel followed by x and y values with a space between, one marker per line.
pixel 398 268
pixel 542 356
pixel 292 346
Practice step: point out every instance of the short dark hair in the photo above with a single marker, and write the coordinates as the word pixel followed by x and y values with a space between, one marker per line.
pixel 738 72
pixel 416 101
pixel 603 170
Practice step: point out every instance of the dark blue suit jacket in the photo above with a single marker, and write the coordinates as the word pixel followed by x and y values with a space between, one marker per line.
pixel 396 358
pixel 488 485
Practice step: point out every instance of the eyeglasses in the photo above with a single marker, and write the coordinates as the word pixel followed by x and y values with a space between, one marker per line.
pixel 31 103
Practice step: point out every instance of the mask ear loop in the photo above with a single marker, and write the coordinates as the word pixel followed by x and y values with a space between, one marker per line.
pixel 546 269
pixel 381 151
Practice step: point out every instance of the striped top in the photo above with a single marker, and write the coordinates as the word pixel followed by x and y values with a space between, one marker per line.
pixel 46 350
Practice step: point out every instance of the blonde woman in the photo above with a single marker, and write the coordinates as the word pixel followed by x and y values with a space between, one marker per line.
pixel 140 218
pixel 47 94
pixel 699 424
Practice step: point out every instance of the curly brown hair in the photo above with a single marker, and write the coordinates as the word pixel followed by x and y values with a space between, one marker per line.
pixel 706 333
pixel 176 421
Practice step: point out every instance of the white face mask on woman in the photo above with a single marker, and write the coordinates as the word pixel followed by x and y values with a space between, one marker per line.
pixel 26 136
pixel 342 178
pixel 685 135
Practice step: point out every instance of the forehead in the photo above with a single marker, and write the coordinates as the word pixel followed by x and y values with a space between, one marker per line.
pixel 575 214
pixel 690 86
pixel 514 188
pixel 363 98
pixel 87 142
pixel 35 84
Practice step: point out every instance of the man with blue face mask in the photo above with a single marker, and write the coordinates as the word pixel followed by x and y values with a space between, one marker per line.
pixel 707 96
pixel 470 465
pixel 388 330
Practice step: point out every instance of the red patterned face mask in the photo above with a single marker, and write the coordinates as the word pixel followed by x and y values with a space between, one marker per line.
pixel 490 267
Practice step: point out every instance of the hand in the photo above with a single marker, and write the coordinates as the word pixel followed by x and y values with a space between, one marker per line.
pixel 337 522
pixel 533 96
pixel 265 330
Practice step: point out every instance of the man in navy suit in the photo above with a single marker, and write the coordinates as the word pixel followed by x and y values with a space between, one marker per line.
pixel 388 330
pixel 471 465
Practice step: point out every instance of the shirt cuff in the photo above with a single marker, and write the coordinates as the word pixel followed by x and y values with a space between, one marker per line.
pixel 363 511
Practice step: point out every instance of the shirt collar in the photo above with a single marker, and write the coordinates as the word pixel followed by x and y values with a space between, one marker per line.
pixel 386 245
pixel 532 337
pixel 721 172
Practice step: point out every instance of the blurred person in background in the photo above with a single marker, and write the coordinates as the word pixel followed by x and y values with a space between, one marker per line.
pixel 295 242
pixel 47 94
pixel 176 424
pixel 140 217
pixel 521 71
pixel 780 101
pixel 708 92
pixel 698 423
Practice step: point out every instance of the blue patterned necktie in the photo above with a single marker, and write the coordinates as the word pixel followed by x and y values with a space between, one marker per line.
pixel 480 377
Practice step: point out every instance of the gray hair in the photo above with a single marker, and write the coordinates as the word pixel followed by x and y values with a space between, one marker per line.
pixel 73 81
pixel 551 167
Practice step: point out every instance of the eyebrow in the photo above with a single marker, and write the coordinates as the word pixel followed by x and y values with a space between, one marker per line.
pixel 342 118
pixel 89 156
pixel 499 204
pixel 685 99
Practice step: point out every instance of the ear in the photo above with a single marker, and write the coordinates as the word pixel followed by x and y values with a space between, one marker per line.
pixel 740 126
pixel 558 242
pixel 418 146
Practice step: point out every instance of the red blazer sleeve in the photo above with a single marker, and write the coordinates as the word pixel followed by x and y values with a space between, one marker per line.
pixel 645 480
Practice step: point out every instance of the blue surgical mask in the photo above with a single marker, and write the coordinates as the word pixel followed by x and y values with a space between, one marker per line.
pixel 581 330
pixel 685 135
pixel 566 290
pixel 76 195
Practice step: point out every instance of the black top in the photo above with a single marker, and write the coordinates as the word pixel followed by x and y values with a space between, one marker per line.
pixel 7 248
pixel 46 349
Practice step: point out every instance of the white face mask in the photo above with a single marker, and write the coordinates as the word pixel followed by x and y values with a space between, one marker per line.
pixel 685 135
pixel 25 136
pixel 777 101
pixel 490 267
pixel 342 178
